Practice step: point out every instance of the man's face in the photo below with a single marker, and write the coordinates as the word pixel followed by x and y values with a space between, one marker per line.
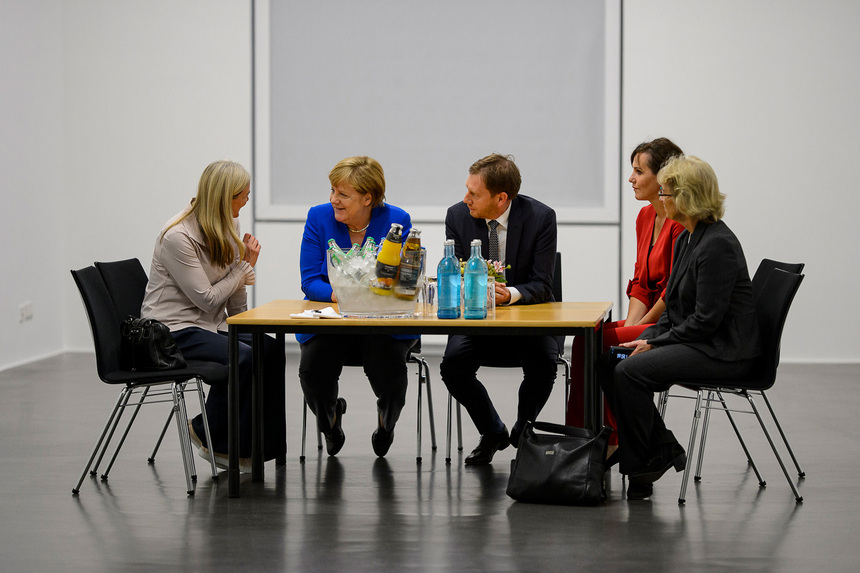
pixel 482 204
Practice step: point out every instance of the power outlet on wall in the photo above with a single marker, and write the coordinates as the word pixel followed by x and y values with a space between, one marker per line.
pixel 25 311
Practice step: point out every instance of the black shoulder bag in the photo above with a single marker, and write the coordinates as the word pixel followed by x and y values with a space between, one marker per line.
pixel 148 345
pixel 565 465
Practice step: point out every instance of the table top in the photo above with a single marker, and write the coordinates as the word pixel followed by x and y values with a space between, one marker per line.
pixel 546 318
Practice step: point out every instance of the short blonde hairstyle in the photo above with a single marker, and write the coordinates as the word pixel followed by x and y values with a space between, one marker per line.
pixel 364 173
pixel 220 183
pixel 694 188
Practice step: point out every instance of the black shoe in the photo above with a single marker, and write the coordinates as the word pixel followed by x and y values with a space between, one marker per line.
pixel 381 439
pixel 335 438
pixel 639 489
pixel 672 456
pixel 516 433
pixel 487 447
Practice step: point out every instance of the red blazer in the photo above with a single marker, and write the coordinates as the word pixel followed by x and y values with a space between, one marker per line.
pixel 651 272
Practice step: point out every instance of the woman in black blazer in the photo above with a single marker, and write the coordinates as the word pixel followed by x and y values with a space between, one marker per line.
pixel 708 331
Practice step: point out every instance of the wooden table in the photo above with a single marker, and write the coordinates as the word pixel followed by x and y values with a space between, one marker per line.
pixel 553 318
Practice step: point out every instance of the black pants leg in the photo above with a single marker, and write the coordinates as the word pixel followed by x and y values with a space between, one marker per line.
pixel 198 344
pixel 383 359
pixel 630 390
pixel 464 355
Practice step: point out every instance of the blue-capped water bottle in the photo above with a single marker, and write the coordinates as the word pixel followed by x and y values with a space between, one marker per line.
pixel 448 281
pixel 475 283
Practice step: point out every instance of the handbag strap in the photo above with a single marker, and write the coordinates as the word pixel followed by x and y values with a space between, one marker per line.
pixel 560 429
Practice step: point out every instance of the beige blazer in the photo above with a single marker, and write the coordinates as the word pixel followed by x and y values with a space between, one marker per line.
pixel 185 289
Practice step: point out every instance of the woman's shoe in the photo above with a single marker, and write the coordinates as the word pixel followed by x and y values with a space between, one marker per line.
pixel 195 439
pixel 639 490
pixel 381 439
pixel 335 438
pixel 655 469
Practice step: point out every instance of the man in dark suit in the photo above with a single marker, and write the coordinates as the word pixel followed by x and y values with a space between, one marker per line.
pixel 526 239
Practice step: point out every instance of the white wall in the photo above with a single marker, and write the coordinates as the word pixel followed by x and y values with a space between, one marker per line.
pixel 112 109
pixel 765 91
pixel 31 160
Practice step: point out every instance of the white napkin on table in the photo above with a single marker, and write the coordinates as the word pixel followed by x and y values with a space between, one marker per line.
pixel 327 312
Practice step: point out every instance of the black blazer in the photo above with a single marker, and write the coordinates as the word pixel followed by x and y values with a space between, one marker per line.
pixel 530 245
pixel 709 302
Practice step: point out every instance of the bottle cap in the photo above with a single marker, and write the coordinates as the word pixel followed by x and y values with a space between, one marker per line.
pixel 476 242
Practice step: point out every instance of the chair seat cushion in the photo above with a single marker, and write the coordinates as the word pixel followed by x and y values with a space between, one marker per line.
pixel 212 373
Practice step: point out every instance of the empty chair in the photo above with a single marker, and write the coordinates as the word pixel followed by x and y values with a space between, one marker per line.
pixel 772 306
pixel 127 282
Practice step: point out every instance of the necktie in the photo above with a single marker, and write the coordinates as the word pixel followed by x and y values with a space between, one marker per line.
pixel 494 241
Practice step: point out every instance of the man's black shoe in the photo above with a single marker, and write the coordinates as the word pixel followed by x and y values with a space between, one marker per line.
pixel 487 447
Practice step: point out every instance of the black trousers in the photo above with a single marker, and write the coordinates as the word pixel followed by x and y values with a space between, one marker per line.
pixel 630 389
pixel 198 344
pixel 383 359
pixel 464 355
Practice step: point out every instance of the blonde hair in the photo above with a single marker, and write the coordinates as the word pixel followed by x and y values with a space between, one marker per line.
pixel 364 173
pixel 694 188
pixel 220 183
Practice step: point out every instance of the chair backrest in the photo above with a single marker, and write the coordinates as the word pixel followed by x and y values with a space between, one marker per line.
pixel 126 283
pixel 104 322
pixel 764 270
pixel 556 278
pixel 777 294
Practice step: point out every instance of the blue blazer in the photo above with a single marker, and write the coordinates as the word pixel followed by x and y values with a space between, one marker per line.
pixel 322 226
pixel 530 246
pixel 709 302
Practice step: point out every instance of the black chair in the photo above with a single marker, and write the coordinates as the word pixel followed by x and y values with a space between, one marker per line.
pixel 105 315
pixel 772 306
pixel 414 357
pixel 511 362
pixel 763 272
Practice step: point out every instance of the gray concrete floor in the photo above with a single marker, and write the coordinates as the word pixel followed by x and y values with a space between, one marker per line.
pixel 359 513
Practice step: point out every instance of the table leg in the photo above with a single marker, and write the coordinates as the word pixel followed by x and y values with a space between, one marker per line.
pixel 590 411
pixel 257 437
pixel 233 413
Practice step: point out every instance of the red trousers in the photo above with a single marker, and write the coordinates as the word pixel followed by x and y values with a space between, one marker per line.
pixel 613 334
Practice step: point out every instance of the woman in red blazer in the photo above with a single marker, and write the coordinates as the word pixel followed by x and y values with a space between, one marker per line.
pixel 655 238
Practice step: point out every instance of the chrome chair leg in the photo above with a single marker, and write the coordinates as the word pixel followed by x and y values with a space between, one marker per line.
pixel 697 413
pixel 448 432
pixel 800 471
pixel 184 438
pixel 419 420
pixel 202 397
pixel 430 404
pixel 137 406
pixel 704 437
pixel 151 458
pixel 108 425
pixel 797 496
pixel 304 431
pixel 743 443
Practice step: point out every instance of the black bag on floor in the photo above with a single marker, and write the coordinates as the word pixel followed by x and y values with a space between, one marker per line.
pixel 564 465
pixel 148 345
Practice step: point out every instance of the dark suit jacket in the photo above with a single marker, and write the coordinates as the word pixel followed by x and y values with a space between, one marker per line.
pixel 709 302
pixel 530 245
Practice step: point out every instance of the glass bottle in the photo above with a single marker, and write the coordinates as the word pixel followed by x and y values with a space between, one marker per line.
pixel 410 266
pixel 388 260
pixel 448 280
pixel 475 283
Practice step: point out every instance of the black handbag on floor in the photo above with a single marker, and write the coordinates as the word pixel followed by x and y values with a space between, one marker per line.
pixel 148 345
pixel 563 465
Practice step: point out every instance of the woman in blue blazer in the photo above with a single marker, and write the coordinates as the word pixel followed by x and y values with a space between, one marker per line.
pixel 356 210
pixel 708 330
